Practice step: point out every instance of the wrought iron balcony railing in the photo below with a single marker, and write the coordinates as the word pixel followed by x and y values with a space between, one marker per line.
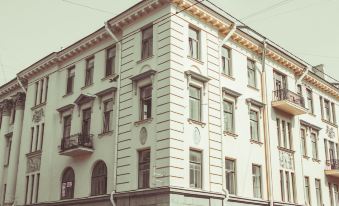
pixel 333 164
pixel 76 141
pixel 285 94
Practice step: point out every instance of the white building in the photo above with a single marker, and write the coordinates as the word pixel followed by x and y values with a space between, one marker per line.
pixel 170 103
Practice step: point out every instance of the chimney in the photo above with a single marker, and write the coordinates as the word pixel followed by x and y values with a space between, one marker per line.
pixel 319 70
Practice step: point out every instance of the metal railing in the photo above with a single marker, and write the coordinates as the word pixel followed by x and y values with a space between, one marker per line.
pixel 333 164
pixel 285 94
pixel 76 140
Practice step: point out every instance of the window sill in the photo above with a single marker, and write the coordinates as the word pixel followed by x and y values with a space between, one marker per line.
pixel 38 106
pixel 228 76
pixel 145 59
pixel 254 88
pixel 227 133
pixel 192 121
pixel 330 123
pixel 195 60
pixel 68 94
pixel 306 157
pixel 286 150
pixel 86 86
pixel 108 133
pixel 316 160
pixel 253 141
pixel 312 114
pixel 35 153
pixel 144 121
pixel 111 76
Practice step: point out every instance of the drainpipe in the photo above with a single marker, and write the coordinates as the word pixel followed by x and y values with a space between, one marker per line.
pixel 117 79
pixel 229 34
pixel 266 126
pixel 303 75
pixel 21 85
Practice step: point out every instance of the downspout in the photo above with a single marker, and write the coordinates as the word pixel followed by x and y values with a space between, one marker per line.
pixel 118 46
pixel 266 126
pixel 20 83
pixel 229 34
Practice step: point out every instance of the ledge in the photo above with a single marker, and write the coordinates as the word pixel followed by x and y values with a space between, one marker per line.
pixel 330 123
pixel 143 75
pixel 86 86
pixel 144 121
pixel 286 150
pixel 68 94
pixel 253 141
pixel 34 154
pixel 306 157
pixel 192 121
pixel 38 106
pixel 65 108
pixel 111 76
pixel 195 60
pixel 254 88
pixel 231 92
pixel 226 133
pixel 316 160
pixel 228 76
pixel 307 124
pixel 108 133
pixel 143 60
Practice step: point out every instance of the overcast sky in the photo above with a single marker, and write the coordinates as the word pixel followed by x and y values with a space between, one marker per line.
pixel 31 29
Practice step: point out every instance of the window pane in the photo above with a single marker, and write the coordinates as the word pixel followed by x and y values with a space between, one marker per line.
pixel 256 173
pixel 144 168
pixel 195 103
pixel 228 116
pixel 146 102
pixel 230 176
pixel 195 169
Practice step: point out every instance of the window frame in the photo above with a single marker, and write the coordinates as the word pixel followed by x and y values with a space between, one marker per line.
pixel 191 40
pixel 107 126
pixel 257 121
pixel 69 118
pixel 249 60
pixel 315 149
pixel 310 103
pixel 70 80
pixel 99 180
pixel 231 113
pixel 65 181
pixel 145 170
pixel 303 141
pixel 198 100
pixel 89 71
pixel 226 60
pixel 146 101
pixel 110 61
pixel 234 176
pixel 199 179
pixel 260 181
pixel 318 190
pixel 147 42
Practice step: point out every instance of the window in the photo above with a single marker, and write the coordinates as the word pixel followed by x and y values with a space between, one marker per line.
pixel 42 135
pixel 327 110
pixel 284 129
pixel 280 83
pixel 318 192
pixel 330 193
pixel 254 125
pixel 256 175
pixel 26 189
pixel 70 80
pixel 334 118
pixel 282 185
pixel 89 71
pixel 99 179
pixel 36 93
pixel 195 103
pixel 67 184
pixel 336 194
pixel 32 188
pixel 110 61
pixel 299 90
pixel 4 193
pixel 307 190
pixel 288 186
pixel 37 137
pixel 251 73
pixel 37 187
pixel 67 126
pixel 303 141
pixel 86 122
pixel 8 150
pixel 226 61
pixel 32 138
pixel 314 146
pixel 46 88
pixel 309 100
pixel 193 41
pixel 195 169
pixel 230 174
pixel 147 42
pixel 228 117
pixel 41 90
pixel 146 102
pixel 294 187
pixel 0 117
pixel 108 112
pixel 144 168
pixel 13 113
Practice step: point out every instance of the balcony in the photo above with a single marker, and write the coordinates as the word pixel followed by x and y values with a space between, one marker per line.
pixel 332 168
pixel 75 145
pixel 289 102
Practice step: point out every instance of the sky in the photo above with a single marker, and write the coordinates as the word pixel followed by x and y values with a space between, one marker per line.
pixel 32 29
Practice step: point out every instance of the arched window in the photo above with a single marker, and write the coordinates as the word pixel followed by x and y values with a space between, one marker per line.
pixel 67 184
pixel 99 179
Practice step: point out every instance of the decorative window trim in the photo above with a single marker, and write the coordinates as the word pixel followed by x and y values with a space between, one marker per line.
pixel 106 92
pixel 254 103
pixel 193 75
pixel 147 74
pixel 62 110
pixel 231 93
pixel 83 99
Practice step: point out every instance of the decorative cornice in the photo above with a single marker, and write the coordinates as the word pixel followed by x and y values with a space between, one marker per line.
pixel 6 106
pixel 276 54
pixel 19 100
